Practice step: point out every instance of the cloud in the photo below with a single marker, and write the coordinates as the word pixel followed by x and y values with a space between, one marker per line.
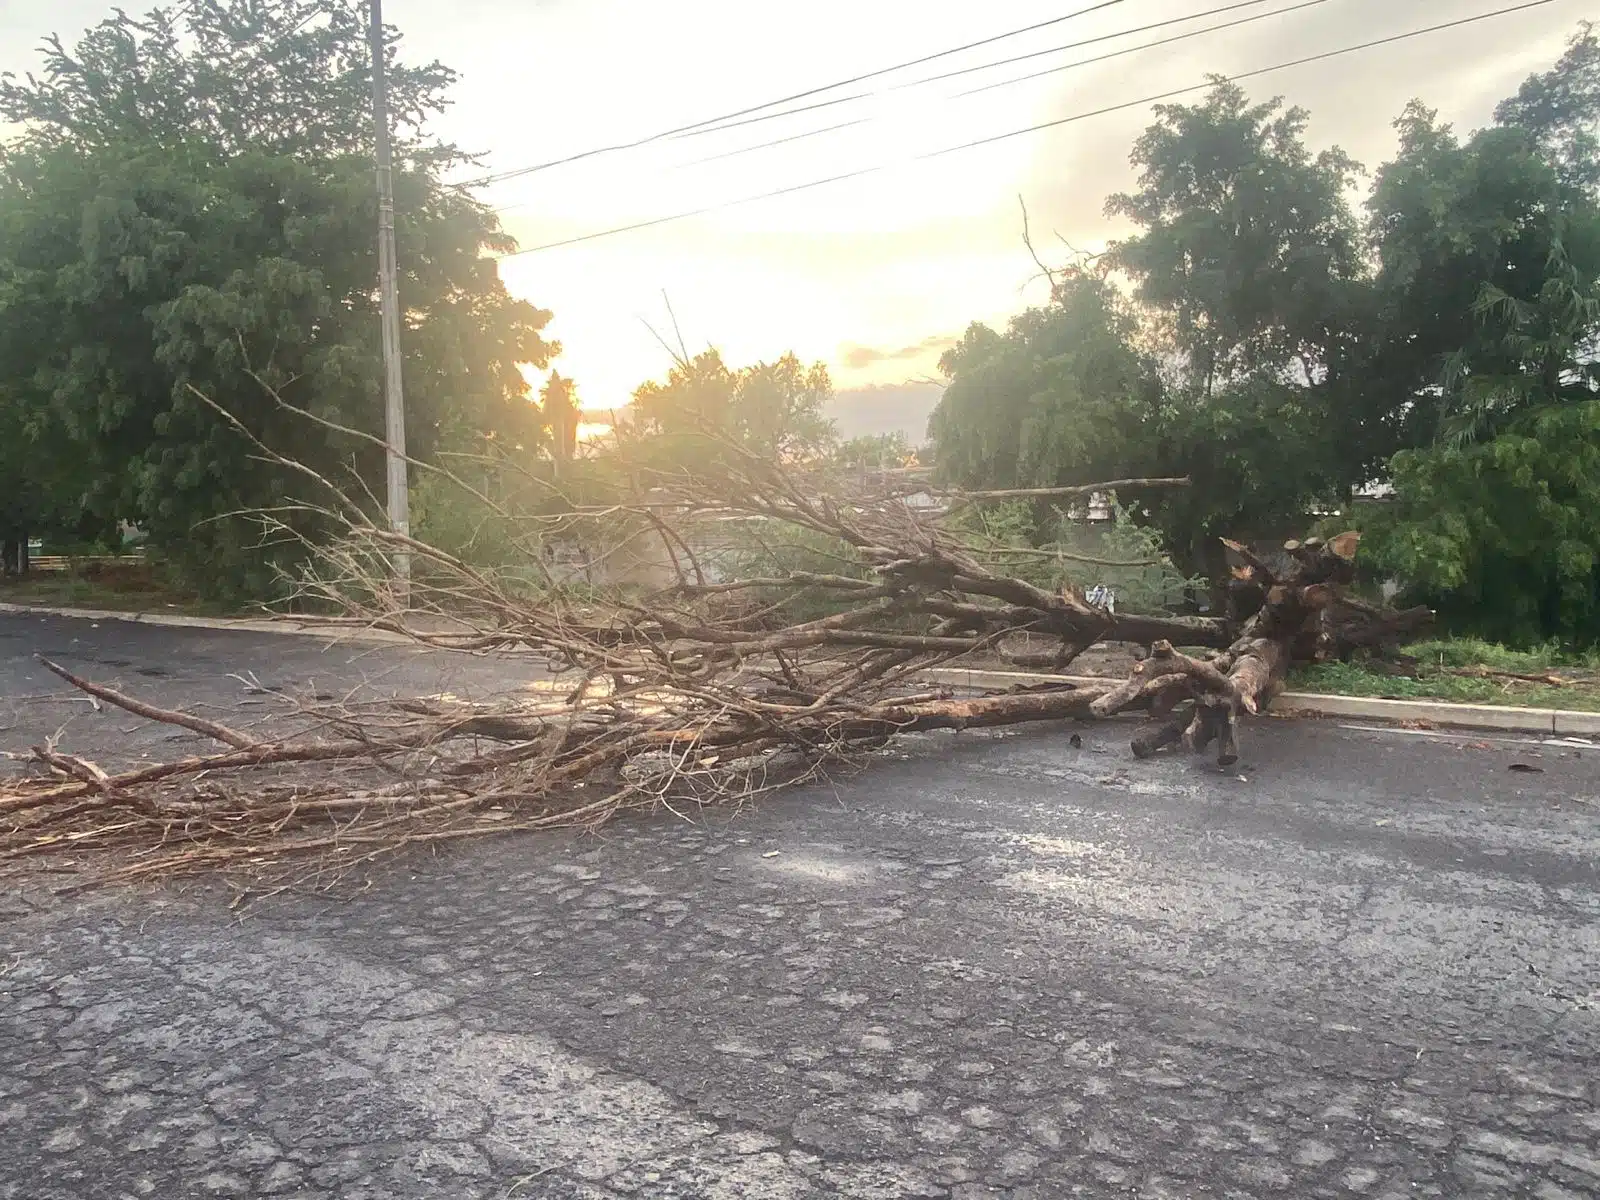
pixel 858 358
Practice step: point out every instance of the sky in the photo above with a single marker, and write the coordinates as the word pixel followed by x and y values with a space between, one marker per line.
pixel 875 275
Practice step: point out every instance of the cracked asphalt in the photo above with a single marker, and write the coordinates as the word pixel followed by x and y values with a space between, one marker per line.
pixel 1363 963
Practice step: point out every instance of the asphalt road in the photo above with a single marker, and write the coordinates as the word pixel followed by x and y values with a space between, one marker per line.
pixel 989 966
pixel 252 677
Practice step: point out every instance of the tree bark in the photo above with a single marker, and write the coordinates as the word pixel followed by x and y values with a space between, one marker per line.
pixel 1300 614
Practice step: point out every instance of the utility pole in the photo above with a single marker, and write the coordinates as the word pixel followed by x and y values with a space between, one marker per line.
pixel 394 407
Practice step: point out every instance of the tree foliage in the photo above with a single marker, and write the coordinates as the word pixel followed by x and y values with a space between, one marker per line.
pixel 1501 535
pixel 559 414
pixel 187 221
pixel 1062 396
pixel 1557 108
pixel 226 77
pixel 776 409
pixel 1253 334
pixel 876 451
pixel 1489 273
pixel 1247 247
pixel 1230 350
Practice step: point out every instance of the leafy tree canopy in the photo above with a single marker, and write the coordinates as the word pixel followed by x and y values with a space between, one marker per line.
pixel 1489 254
pixel 1558 107
pixel 229 76
pixel 1064 397
pixel 1061 396
pixel 775 409
pixel 876 451
pixel 189 216
pixel 1253 335
pixel 1248 247
pixel 1501 535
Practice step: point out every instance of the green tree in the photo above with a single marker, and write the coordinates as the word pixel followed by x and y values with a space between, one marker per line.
pixel 1247 245
pixel 1460 229
pixel 1066 397
pixel 1061 397
pixel 231 76
pixel 1232 361
pixel 780 409
pixel 776 409
pixel 1501 535
pixel 1558 107
pixel 695 397
pixel 1490 284
pixel 558 412
pixel 875 451
pixel 1250 264
pixel 1280 360
pixel 219 240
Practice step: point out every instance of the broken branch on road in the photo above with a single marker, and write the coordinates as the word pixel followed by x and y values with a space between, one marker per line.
pixel 702 690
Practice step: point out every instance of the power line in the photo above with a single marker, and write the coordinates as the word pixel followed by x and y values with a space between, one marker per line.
pixel 988 66
pixel 699 212
pixel 1016 58
pixel 721 125
pixel 783 141
pixel 502 176
pixel 1299 62
pixel 1083 62
pixel 703 130
pixel 811 133
pixel 695 162
pixel 1015 79
pixel 1000 137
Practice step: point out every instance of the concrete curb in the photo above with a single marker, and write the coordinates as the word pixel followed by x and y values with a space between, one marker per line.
pixel 1555 722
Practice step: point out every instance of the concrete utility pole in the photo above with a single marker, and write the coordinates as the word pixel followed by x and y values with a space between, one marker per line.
pixel 394 406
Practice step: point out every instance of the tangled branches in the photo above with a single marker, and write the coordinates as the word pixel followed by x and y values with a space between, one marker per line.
pixel 705 690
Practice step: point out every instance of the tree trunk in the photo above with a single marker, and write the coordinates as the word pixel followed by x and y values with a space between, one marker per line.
pixel 1300 613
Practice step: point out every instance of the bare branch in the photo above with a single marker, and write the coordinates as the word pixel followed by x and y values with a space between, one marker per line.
pixel 692 692
pixel 210 729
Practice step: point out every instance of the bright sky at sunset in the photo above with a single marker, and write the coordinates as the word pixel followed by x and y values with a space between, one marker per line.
pixel 872 275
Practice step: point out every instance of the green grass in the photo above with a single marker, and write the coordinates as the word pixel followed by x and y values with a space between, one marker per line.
pixel 1475 652
pixel 121 589
pixel 1353 679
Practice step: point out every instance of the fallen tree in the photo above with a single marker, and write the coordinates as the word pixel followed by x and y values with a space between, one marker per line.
pixel 706 691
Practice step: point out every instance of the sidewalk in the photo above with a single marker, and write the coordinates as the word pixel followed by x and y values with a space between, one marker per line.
pixel 1552 722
